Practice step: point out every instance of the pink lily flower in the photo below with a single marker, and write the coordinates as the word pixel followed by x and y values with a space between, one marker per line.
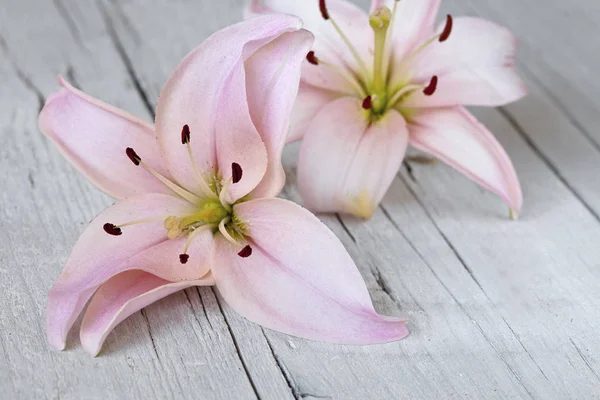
pixel 374 84
pixel 196 200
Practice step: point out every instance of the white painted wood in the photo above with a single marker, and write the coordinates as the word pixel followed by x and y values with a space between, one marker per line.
pixel 498 309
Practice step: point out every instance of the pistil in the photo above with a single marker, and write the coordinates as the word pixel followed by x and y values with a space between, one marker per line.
pixel 380 22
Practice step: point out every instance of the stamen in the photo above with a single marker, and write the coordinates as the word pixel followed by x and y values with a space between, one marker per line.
pixel 447 29
pixel 430 89
pixel 226 234
pixel 112 229
pixel 441 37
pixel 115 230
pixel 185 134
pixel 185 139
pixel 184 257
pixel 367 103
pixel 344 74
pixel 323 9
pixel 192 198
pixel 403 92
pixel 245 252
pixel 222 195
pixel 312 58
pixel 236 172
pixel 326 16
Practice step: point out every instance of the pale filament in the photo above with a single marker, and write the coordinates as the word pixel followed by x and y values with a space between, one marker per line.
pixel 346 76
pixel 195 233
pixel 222 195
pixel 201 181
pixel 405 90
pixel 226 234
pixel 143 221
pixel 192 198
pixel 355 54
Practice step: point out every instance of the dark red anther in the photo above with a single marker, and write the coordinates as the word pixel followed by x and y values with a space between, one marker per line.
pixel 183 258
pixel 430 89
pixel 323 9
pixel 245 252
pixel 236 172
pixel 133 156
pixel 447 29
pixel 112 229
pixel 367 103
pixel 185 134
pixel 312 58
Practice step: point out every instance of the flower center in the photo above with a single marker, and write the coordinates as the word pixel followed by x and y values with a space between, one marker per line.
pixel 212 210
pixel 375 86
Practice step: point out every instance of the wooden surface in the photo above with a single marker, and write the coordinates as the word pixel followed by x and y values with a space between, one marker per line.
pixel 498 309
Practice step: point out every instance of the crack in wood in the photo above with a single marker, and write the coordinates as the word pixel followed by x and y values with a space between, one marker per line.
pixel 69 22
pixel 116 41
pixel 559 104
pixel 409 171
pixel 237 347
pixel 204 308
pixel 289 379
pixel 525 348
pixel 27 82
pixel 187 296
pixel 143 312
pixel 443 235
pixel 585 360
pixel 519 129
pixel 341 221
pixel 447 289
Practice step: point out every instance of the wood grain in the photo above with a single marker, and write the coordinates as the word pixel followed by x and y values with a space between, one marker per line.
pixel 498 309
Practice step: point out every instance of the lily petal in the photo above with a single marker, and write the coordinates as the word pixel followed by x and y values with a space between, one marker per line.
pixel 272 79
pixel 328 46
pixel 97 256
pixel 413 25
pixel 298 279
pixel 120 297
pixel 196 95
pixel 347 163
pixel 475 66
pixel 454 136
pixel 309 102
pixel 93 136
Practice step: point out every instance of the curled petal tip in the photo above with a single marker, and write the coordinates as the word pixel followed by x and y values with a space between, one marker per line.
pixel 514 214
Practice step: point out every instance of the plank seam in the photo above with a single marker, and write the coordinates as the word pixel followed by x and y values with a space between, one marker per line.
pixel 521 132
pixel 237 348
pixel 585 360
pixel 116 41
